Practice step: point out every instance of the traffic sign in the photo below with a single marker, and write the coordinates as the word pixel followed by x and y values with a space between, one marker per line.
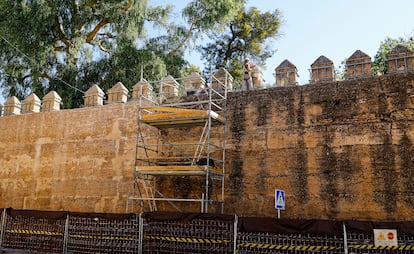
pixel 280 199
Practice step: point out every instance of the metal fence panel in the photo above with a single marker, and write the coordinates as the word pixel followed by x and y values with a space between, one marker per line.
pixel 360 237
pixel 193 235
pixel 25 230
pixel 270 235
pixel 29 231
pixel 359 243
pixel 249 243
pixel 99 234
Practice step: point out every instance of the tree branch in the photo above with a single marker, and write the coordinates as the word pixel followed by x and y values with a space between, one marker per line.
pixel 108 35
pixel 128 6
pixel 92 4
pixel 91 36
pixel 25 77
pixel 41 75
pixel 75 14
pixel 75 6
pixel 65 40
pixel 181 44
pixel 59 26
pixel 101 47
pixel 45 75
pixel 229 44
pixel 59 48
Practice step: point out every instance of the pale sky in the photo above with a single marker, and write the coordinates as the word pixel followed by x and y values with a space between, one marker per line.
pixel 333 28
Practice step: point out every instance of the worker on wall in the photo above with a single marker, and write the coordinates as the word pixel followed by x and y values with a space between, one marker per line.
pixel 247 83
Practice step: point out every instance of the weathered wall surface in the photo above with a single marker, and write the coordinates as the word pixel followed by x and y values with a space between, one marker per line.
pixel 77 160
pixel 339 150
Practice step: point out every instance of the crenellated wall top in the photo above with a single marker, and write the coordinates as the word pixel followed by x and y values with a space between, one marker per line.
pixel 358 65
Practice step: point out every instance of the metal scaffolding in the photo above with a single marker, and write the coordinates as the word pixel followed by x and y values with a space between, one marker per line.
pixel 175 138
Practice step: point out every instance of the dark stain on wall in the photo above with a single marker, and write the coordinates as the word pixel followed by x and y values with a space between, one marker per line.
pixel 299 172
pixel 299 166
pixel 262 174
pixel 399 95
pixel 322 95
pixel 396 87
pixel 263 107
pixel 341 112
pixel 236 176
pixel 329 176
pixel 349 167
pixel 237 128
pixel 183 186
pixel 301 114
pixel 290 104
pixel 384 174
pixel 406 161
pixel 382 103
pixel 338 174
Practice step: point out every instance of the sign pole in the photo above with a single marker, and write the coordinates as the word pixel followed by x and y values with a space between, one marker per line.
pixel 278 214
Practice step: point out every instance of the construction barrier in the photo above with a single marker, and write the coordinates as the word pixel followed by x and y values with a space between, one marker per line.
pixel 37 231
pixel 361 238
pixel 188 233
pixel 28 231
pixel 268 235
pixel 102 233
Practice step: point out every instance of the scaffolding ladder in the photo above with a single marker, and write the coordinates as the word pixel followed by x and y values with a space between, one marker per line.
pixel 198 154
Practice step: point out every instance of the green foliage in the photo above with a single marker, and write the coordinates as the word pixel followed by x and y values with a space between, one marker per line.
pixel 126 66
pixel 67 46
pixel 46 45
pixel 161 46
pixel 211 14
pixel 340 71
pixel 245 36
pixel 190 69
pixel 379 65
pixel 203 17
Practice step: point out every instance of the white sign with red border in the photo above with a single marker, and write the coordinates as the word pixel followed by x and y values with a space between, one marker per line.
pixel 385 237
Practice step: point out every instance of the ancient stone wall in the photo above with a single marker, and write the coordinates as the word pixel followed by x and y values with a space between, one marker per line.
pixel 339 150
pixel 77 160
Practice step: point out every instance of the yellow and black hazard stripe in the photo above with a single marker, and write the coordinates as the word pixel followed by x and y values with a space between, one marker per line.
pixel 288 247
pixel 245 245
pixel 215 241
pixel 185 239
pixel 44 232
pixel 381 247
pixel 114 238
pixel 32 232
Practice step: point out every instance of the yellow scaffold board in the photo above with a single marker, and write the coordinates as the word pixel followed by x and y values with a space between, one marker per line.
pixel 170 116
pixel 177 170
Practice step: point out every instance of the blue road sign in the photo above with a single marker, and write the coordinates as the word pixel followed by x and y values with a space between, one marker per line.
pixel 280 199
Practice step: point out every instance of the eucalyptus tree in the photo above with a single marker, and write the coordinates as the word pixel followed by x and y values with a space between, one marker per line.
pixel 68 45
pixel 47 45
pixel 248 35
pixel 206 16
